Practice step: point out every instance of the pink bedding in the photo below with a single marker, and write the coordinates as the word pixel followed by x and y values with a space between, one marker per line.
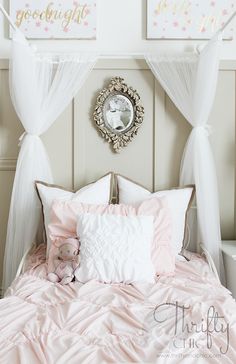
pixel 42 322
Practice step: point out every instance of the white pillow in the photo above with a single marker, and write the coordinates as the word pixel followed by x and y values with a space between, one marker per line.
pixel 178 200
pixel 115 248
pixel 99 192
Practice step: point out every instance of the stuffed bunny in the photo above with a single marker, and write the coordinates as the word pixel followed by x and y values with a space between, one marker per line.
pixel 66 261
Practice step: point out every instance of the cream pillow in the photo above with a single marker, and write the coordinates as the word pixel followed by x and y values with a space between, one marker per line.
pixel 178 199
pixel 115 248
pixel 99 192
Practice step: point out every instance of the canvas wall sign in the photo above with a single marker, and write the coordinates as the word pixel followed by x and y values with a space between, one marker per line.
pixel 59 19
pixel 188 19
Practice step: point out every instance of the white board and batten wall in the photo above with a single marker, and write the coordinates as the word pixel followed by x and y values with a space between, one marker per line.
pixel 79 155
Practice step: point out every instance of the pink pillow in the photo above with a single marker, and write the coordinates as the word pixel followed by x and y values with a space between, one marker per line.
pixel 64 220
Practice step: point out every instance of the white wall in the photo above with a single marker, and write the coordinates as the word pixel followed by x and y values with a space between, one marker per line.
pixel 122 28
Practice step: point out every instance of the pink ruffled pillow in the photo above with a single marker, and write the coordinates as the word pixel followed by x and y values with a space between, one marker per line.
pixel 64 221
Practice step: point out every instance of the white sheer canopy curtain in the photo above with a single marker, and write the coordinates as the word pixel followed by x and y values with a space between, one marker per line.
pixel 40 90
pixel 190 81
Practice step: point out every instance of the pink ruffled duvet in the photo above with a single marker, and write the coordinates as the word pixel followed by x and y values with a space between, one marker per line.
pixel 42 322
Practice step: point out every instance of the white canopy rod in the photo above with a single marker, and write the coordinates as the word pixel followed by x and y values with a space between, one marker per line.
pixel 101 55
pixel 8 17
pixel 228 21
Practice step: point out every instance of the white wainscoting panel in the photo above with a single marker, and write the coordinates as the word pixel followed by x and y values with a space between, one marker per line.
pixel 79 155
pixel 222 139
pixel 93 155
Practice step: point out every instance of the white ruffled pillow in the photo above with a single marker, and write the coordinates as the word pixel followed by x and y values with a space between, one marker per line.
pixel 115 248
pixel 99 192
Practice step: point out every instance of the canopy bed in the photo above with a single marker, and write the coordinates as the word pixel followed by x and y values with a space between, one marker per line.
pixel 112 314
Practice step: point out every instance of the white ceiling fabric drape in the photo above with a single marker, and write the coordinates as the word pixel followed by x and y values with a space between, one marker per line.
pixel 40 90
pixel 190 80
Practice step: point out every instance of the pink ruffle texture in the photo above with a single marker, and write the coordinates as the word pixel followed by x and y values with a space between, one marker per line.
pixel 45 323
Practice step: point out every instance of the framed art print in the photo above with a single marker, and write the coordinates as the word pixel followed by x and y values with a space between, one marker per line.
pixel 188 19
pixel 57 19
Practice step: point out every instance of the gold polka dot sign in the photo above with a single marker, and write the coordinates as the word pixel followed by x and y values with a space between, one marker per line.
pixel 188 19
pixel 58 19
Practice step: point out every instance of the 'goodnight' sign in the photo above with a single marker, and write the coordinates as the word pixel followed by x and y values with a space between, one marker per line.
pixel 55 19
pixel 188 19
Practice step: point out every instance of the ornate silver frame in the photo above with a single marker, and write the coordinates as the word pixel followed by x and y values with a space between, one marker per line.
pixel 119 138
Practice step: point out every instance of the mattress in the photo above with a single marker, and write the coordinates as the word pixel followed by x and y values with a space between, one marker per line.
pixel 187 318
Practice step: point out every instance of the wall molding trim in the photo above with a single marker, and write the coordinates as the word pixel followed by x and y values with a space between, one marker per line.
pixel 8 164
pixel 4 64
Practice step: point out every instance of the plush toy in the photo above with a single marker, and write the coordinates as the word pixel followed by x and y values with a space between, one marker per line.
pixel 66 261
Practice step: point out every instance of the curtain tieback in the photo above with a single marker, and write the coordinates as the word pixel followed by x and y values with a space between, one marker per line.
pixel 22 137
pixel 206 128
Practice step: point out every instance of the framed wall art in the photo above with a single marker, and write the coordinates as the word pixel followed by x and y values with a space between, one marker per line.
pixel 57 19
pixel 188 19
